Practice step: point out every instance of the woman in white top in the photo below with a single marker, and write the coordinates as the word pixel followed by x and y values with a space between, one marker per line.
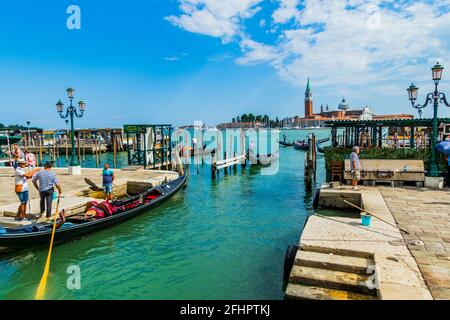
pixel 31 159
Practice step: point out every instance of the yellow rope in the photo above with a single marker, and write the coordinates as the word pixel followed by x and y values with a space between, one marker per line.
pixel 41 289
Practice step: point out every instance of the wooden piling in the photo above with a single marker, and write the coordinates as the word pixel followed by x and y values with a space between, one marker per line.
pixel 40 149
pixel 84 149
pixel 114 149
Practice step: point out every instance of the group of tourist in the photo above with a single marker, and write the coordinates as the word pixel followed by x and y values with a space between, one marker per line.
pixel 45 181
pixel 26 155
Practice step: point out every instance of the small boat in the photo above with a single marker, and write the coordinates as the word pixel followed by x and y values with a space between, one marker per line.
pixel 304 146
pixel 301 146
pixel 286 144
pixel 323 140
pixel 76 227
pixel 320 148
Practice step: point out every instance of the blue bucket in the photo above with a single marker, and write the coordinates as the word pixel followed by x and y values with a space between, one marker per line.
pixel 366 220
pixel 55 195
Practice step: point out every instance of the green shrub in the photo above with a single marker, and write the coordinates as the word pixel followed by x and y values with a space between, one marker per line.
pixel 341 154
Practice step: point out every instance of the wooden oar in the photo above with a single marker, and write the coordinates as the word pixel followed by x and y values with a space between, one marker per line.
pixel 373 215
pixel 43 283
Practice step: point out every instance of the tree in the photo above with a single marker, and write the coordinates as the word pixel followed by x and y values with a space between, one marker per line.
pixel 259 118
pixel 233 120
pixel 251 117
pixel 238 119
pixel 244 118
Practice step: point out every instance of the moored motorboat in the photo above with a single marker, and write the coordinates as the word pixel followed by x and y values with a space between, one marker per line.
pixel 107 214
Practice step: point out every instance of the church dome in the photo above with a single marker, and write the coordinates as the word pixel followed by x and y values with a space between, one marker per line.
pixel 343 105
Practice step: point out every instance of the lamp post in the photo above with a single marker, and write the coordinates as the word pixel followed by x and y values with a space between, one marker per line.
pixel 71 112
pixel 435 97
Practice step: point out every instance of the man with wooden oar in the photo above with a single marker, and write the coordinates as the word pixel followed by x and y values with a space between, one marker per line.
pixel 47 181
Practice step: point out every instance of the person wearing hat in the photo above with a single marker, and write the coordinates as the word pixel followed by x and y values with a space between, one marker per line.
pixel 21 187
pixel 47 181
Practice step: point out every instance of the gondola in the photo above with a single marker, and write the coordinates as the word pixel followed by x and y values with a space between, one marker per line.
pixel 323 140
pixel 286 144
pixel 301 146
pixel 76 227
pixel 320 148
pixel 305 146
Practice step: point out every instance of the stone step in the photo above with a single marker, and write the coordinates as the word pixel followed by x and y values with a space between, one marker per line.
pixel 333 262
pixel 305 292
pixel 337 280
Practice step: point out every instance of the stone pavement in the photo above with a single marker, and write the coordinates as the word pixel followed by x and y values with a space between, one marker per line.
pixel 425 214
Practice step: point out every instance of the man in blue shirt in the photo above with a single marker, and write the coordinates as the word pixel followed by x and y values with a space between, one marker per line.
pixel 47 181
pixel 108 179
pixel 355 167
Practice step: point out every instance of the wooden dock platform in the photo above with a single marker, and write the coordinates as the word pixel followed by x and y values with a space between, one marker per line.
pixel 76 192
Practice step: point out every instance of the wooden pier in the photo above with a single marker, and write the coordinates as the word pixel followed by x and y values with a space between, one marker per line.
pixel 76 192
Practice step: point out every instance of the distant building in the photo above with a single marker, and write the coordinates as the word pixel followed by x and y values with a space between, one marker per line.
pixel 343 112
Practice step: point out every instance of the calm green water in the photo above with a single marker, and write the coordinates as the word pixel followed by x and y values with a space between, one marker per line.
pixel 222 239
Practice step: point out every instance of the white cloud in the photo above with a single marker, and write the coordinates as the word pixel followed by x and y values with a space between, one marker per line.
pixel 216 18
pixel 256 52
pixel 171 59
pixel 287 10
pixel 339 43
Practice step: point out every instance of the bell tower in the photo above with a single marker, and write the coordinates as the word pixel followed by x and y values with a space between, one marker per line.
pixel 308 101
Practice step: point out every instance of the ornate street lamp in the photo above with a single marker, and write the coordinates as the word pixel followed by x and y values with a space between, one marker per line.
pixel 71 112
pixel 435 97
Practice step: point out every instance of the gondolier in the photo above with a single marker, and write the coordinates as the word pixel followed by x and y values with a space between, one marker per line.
pixel 108 180
pixel 47 181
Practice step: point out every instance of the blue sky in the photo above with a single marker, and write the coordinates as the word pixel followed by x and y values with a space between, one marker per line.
pixel 177 61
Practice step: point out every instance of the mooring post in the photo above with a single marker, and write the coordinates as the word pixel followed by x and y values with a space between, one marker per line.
pixel 213 167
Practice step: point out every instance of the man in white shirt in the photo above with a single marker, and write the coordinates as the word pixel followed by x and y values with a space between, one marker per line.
pixel 21 187
pixel 355 167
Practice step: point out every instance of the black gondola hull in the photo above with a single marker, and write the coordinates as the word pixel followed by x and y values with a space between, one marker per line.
pixel 41 238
